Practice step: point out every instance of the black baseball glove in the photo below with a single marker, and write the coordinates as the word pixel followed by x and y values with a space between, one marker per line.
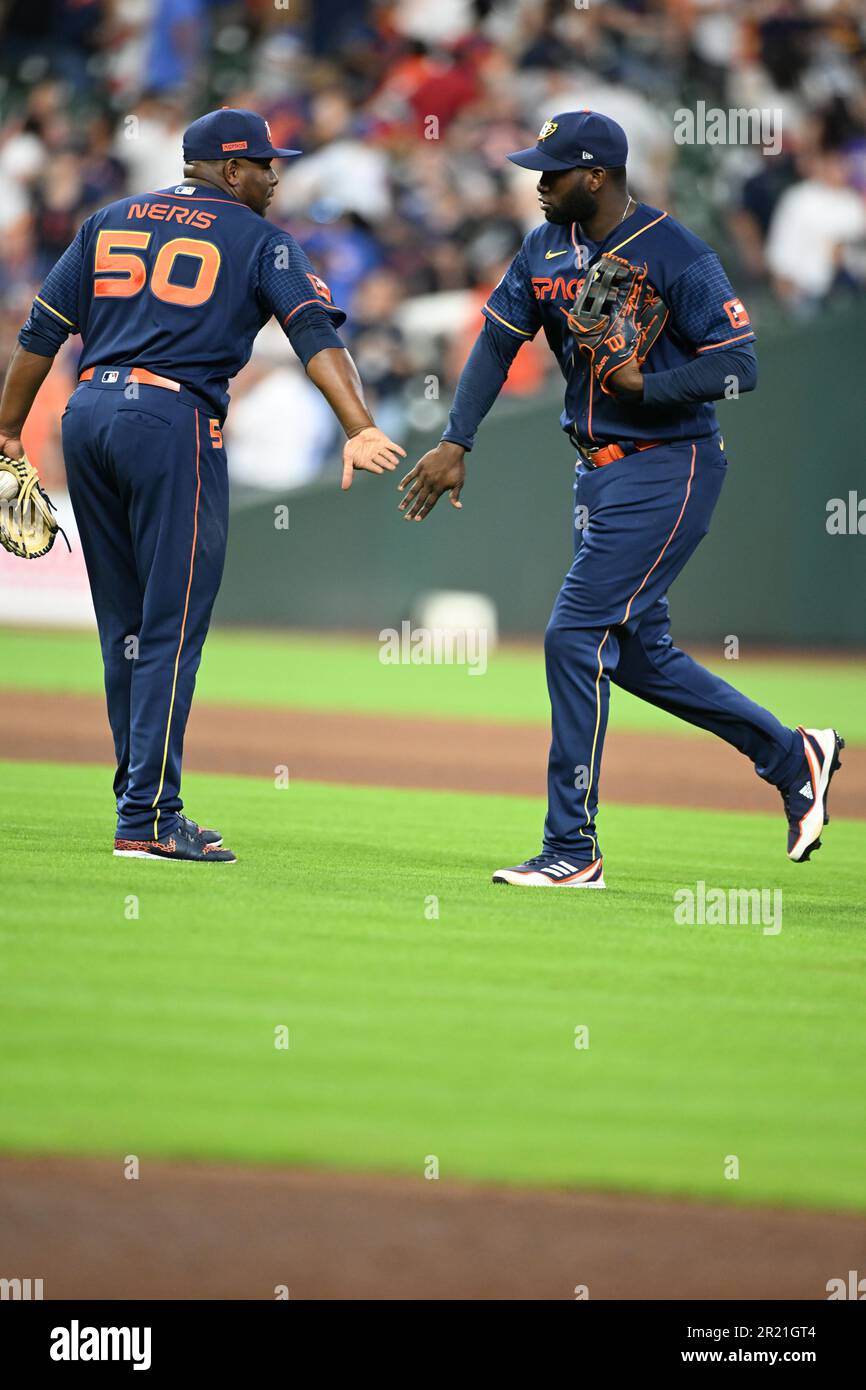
pixel 616 317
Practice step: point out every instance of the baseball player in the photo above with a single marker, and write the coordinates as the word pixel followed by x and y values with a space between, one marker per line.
pixel 647 333
pixel 168 290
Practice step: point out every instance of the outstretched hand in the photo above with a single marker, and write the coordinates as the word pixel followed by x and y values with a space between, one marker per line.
pixel 371 451
pixel 440 470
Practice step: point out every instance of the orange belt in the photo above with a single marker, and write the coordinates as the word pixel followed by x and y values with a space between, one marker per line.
pixel 609 453
pixel 141 375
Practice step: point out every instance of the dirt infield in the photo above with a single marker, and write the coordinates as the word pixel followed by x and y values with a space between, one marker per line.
pixel 209 1231
pixel 206 1231
pixel 640 769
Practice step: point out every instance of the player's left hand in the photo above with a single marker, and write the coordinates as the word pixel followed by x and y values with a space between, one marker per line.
pixel 371 451
pixel 627 381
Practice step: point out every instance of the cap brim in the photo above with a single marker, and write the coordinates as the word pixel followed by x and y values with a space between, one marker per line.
pixel 284 154
pixel 536 159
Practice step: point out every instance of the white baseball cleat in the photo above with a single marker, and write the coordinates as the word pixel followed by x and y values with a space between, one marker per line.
pixel 552 871
pixel 806 797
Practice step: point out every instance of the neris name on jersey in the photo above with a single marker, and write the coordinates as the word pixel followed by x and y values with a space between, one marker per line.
pixel 171 212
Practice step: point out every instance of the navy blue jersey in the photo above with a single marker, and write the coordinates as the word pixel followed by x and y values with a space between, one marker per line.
pixel 705 316
pixel 180 282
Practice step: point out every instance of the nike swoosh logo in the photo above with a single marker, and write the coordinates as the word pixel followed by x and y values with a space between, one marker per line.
pixel 549 255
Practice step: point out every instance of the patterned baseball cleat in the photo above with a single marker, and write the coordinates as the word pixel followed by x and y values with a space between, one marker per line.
pixel 210 837
pixel 806 799
pixel 180 845
pixel 552 871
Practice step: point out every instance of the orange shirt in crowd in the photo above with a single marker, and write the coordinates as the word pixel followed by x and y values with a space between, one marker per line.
pixel 531 366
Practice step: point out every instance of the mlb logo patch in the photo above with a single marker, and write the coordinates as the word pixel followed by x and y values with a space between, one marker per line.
pixel 109 378
pixel 185 189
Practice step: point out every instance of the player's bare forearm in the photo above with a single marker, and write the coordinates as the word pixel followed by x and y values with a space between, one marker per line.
pixel 26 373
pixel 367 448
pixel 440 470
pixel 334 373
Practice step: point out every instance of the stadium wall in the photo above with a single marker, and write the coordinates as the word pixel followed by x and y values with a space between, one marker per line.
pixel 769 570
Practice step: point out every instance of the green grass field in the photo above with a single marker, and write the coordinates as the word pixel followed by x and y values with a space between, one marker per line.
pixel 341 673
pixel 412 1036
pixel 138 1001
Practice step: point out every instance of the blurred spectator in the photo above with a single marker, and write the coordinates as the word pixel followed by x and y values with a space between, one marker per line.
pixel 279 428
pixel 379 347
pixel 444 22
pixel 405 110
pixel 177 37
pixel 58 207
pixel 149 141
pixel 813 225
pixel 759 196
pixel 102 173
pixel 344 250
pixel 343 172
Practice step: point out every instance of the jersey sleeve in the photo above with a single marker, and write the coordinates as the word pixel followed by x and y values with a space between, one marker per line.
pixel 513 305
pixel 287 283
pixel 481 380
pixel 704 309
pixel 54 314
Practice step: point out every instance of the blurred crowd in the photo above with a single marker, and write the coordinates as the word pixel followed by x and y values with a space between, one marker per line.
pixel 405 110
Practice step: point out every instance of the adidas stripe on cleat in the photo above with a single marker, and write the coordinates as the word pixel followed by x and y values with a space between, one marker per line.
pixel 552 871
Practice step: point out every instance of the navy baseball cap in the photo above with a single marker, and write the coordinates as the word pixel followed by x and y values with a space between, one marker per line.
pixel 574 140
pixel 231 132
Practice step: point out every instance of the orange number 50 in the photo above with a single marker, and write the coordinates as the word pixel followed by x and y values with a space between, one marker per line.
pixel 117 254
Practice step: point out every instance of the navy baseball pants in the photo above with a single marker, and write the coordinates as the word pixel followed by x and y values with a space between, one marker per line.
pixel 645 515
pixel 149 488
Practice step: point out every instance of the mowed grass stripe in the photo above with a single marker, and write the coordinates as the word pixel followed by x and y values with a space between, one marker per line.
pixel 328 673
pixel 411 1035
